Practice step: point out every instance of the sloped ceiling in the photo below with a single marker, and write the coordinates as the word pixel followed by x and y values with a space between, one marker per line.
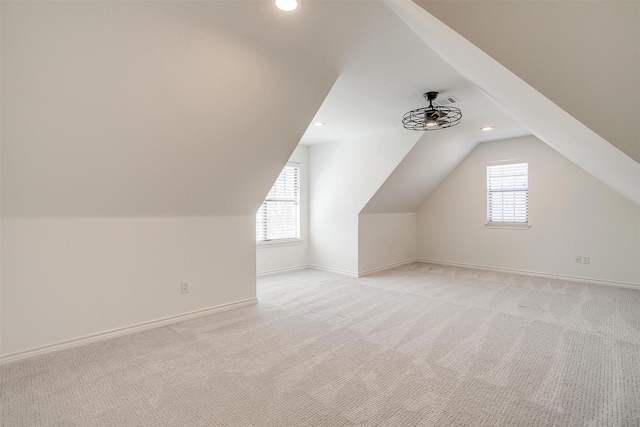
pixel 192 108
pixel 160 108
pixel 386 75
pixel 436 154
pixel 582 55
pixel 538 114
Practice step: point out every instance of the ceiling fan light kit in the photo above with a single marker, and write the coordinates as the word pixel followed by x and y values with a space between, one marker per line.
pixel 431 118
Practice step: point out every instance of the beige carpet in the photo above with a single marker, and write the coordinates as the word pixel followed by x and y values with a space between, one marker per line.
pixel 420 345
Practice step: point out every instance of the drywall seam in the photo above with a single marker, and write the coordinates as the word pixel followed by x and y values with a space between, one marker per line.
pixel 543 118
pixel 102 336
pixel 385 267
pixel 534 274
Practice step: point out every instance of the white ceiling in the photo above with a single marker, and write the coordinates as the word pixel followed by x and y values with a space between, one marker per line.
pixel 542 117
pixel 115 109
pixel 394 66
pixel 386 75
pixel 166 108
pixel 559 61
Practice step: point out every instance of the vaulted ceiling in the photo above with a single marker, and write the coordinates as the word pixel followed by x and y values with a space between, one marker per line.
pixel 168 108
pixel 386 75
pixel 584 56
pixel 537 113
pixel 160 108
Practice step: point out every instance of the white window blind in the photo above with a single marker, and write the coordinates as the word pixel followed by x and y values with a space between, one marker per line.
pixel 279 216
pixel 508 193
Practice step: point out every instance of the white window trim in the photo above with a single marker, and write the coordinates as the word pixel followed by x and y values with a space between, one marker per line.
pixel 288 241
pixel 508 225
pixel 279 242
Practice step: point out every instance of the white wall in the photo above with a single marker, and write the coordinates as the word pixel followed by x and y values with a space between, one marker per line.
pixel 570 212
pixel 272 257
pixel 385 240
pixel 343 176
pixel 127 162
pixel 72 277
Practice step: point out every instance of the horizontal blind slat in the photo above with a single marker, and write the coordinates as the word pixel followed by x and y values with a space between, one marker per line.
pixel 508 193
pixel 279 215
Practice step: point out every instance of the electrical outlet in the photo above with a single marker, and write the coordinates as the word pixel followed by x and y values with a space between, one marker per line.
pixel 184 287
pixel 585 260
pixel 578 259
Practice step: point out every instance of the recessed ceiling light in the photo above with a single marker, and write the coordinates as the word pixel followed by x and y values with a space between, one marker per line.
pixel 288 5
pixel 486 128
pixel 318 124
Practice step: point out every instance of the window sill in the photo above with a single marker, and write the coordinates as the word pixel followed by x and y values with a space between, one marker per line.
pixel 508 225
pixel 281 242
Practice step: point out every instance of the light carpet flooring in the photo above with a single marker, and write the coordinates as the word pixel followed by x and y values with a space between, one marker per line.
pixel 421 345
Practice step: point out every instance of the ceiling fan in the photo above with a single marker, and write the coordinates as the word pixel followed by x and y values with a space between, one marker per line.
pixel 431 118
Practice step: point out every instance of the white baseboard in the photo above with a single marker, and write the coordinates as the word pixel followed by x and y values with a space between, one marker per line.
pixel 282 270
pixel 14 357
pixel 334 270
pixel 385 267
pixel 535 274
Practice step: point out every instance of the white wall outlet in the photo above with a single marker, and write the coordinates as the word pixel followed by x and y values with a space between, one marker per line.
pixel 585 260
pixel 184 287
pixel 578 259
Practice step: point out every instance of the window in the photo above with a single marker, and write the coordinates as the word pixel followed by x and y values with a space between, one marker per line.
pixel 508 195
pixel 279 216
